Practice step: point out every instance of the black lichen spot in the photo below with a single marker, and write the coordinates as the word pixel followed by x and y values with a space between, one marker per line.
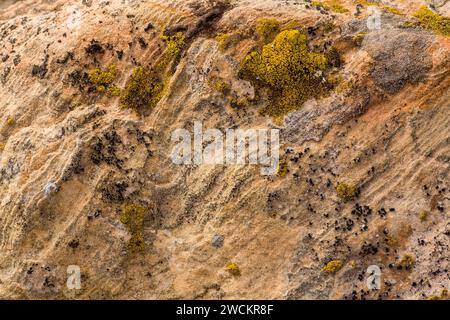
pixel 80 79
pixel 40 70
pixel 148 27
pixel 94 47
pixel 74 244
pixel 119 54
pixel 143 43
pixel 114 192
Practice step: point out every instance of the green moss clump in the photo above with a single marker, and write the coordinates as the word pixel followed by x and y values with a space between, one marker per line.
pixel 345 191
pixel 291 72
pixel 333 266
pixel 433 21
pixel 233 269
pixel 143 91
pixel 267 29
pixel 133 217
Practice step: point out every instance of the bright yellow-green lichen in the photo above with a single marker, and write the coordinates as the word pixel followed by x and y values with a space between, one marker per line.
pixel 103 80
pixel 443 296
pixel 291 72
pixel 233 269
pixel 333 266
pixel 333 6
pixel 113 91
pixel 407 261
pixel 223 39
pixel 282 168
pixel 174 45
pixel 328 26
pixel 382 7
pixel 345 191
pixel 133 217
pixel 392 10
pixel 222 86
pixel 390 241
pixel 423 216
pixel 237 104
pixel 267 29
pixel 143 91
pixel 432 21
pixel 146 86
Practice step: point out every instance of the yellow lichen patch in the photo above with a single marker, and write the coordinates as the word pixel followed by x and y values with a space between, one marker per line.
pixel 237 104
pixel 223 39
pixel 113 91
pixel 383 7
pixel 392 10
pixel 332 6
pixel 133 217
pixel 423 216
pixel 143 91
pixel 267 29
pixel 10 121
pixel 174 46
pixel 103 78
pixel 333 266
pixel 291 72
pixel 345 191
pixel 339 84
pixel 433 21
pixel 328 26
pixel 407 261
pixel 443 296
pixel 233 269
pixel 222 86
pixel 390 241
pixel 282 168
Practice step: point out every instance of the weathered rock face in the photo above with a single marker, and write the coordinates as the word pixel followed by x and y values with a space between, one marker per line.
pixel 71 158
